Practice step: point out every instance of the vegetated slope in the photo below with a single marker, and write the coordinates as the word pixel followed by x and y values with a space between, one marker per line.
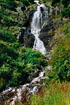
pixel 60 59
pixel 57 88
pixel 16 61
pixel 66 6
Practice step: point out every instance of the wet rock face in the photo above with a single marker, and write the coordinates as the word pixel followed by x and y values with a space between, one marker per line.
pixel 29 15
pixel 26 38
pixel 33 75
pixel 47 33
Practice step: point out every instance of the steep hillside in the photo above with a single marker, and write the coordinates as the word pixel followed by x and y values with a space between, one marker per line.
pixel 39 79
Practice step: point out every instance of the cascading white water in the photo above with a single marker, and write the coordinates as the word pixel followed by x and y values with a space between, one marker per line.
pixel 37 2
pixel 39 20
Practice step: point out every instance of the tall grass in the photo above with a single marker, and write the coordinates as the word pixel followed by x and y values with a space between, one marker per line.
pixel 57 94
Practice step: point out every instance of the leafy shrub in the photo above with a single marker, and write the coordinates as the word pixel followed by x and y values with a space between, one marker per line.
pixel 16 63
pixel 66 4
pixel 27 2
pixel 66 11
pixel 6 35
pixel 10 4
pixel 61 57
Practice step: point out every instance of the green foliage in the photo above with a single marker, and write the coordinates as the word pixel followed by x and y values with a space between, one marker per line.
pixel 6 35
pixel 61 57
pixel 9 4
pixel 66 4
pixel 27 2
pixel 16 62
pixel 55 1
pixel 7 18
pixel 66 11
pixel 12 4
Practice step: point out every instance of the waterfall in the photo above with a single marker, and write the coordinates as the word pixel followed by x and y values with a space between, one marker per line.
pixel 39 20
pixel 37 2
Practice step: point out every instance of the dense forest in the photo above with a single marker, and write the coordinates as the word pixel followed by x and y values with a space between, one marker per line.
pixel 18 59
